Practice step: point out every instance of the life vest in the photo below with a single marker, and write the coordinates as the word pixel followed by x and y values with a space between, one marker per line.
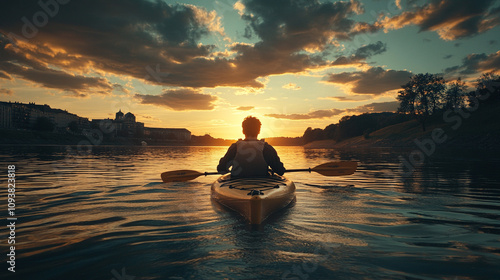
pixel 249 160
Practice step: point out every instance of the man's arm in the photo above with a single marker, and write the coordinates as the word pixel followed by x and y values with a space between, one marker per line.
pixel 273 160
pixel 226 161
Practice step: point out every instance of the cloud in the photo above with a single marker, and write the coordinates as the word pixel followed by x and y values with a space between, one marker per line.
pixel 398 4
pixel 249 91
pixel 347 99
pixel 245 108
pixel 55 79
pixel 377 107
pixel 291 86
pixel 362 54
pixel 374 81
pixel 4 91
pixel 451 19
pixel 180 100
pixel 4 75
pixel 293 34
pixel 476 63
pixel 295 25
pixel 88 37
pixel 148 118
pixel 319 114
pixel 370 50
pixel 126 39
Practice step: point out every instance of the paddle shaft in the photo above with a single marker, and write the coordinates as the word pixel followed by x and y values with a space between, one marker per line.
pixel 299 170
pixel 326 169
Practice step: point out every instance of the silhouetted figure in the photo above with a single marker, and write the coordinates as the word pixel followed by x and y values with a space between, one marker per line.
pixel 251 157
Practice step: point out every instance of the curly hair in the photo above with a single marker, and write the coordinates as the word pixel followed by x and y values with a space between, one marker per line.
pixel 251 126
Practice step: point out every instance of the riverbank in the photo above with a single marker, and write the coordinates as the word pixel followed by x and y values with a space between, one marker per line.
pixel 451 131
pixel 33 137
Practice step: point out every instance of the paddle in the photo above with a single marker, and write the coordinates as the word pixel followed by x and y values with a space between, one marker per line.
pixel 183 175
pixel 336 168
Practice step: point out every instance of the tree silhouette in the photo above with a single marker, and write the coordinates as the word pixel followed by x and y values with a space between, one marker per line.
pixel 487 88
pixel 455 95
pixel 313 135
pixel 422 96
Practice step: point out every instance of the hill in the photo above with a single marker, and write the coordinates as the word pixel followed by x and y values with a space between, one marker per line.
pixel 453 130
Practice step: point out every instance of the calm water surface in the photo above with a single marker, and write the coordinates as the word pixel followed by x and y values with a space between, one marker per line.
pixel 107 215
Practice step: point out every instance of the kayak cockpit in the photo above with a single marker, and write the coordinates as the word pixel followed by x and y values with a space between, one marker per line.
pixel 254 198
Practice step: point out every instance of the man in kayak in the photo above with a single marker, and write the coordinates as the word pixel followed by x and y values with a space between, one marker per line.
pixel 251 157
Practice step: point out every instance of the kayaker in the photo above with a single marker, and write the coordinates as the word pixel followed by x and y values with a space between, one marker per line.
pixel 251 157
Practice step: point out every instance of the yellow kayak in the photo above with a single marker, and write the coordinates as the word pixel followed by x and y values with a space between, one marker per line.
pixel 254 198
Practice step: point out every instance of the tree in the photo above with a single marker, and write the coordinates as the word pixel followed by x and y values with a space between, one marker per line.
pixel 487 87
pixel 43 124
pixel 422 96
pixel 311 135
pixel 455 95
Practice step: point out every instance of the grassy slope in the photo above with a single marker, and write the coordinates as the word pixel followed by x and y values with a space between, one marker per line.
pixel 481 129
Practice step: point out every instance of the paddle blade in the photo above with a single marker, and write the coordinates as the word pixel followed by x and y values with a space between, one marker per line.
pixel 338 168
pixel 180 175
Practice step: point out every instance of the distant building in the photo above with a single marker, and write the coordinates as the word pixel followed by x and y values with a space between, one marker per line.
pixel 5 116
pixel 168 134
pixel 16 115
pixel 125 125
pixel 25 116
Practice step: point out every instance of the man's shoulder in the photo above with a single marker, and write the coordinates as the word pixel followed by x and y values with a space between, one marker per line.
pixel 268 146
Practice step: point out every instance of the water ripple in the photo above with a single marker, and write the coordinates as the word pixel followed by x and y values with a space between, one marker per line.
pixel 82 217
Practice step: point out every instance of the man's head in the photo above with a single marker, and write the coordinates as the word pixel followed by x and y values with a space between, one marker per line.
pixel 251 126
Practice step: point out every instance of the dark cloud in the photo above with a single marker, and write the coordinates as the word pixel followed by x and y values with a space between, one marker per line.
pixel 245 108
pixel 474 64
pixel 59 80
pixel 448 56
pixel 375 80
pixel 377 107
pixel 125 39
pixel 4 91
pixel 14 62
pixel 451 19
pixel 319 114
pixel 362 54
pixel 298 24
pixel 136 36
pixel 180 100
pixel 288 30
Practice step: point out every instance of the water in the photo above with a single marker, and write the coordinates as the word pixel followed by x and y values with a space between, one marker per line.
pixel 107 215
